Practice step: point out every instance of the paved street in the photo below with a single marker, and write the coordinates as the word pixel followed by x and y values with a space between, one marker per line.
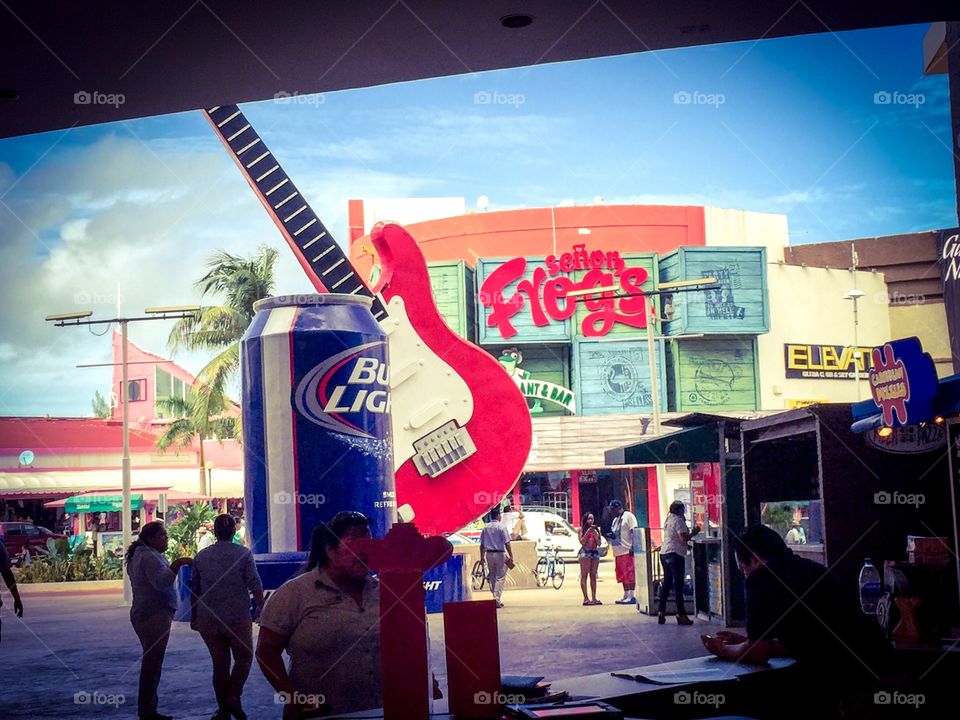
pixel 82 645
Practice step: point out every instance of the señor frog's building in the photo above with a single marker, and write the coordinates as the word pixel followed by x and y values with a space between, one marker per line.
pixel 776 330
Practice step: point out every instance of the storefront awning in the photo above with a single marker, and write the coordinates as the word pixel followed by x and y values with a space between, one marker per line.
pixel 696 444
pixel 101 503
pixel 150 496
pixel 23 483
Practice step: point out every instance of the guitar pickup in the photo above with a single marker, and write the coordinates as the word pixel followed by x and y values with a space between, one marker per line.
pixel 443 448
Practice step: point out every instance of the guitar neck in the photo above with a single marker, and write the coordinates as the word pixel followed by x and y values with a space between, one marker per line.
pixel 319 254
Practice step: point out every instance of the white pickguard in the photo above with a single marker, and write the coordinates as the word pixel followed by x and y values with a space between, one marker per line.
pixel 425 392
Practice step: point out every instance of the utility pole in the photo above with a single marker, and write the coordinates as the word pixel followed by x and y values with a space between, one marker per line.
pixel 81 318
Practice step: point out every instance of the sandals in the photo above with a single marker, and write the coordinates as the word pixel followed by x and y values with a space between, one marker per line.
pixel 592 602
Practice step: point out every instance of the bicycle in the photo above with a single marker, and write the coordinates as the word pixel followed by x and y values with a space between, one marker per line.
pixel 478 576
pixel 550 567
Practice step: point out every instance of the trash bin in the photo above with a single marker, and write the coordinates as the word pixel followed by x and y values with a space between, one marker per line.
pixel 182 613
pixel 444 584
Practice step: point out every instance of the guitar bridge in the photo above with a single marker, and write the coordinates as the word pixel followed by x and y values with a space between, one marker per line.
pixel 440 450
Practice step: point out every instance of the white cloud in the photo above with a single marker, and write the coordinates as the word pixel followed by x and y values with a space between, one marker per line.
pixel 134 221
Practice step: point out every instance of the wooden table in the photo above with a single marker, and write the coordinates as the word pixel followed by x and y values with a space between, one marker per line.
pixel 700 678
pixel 713 686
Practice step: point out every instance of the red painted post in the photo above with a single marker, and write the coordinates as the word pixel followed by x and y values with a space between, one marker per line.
pixel 473 659
pixel 575 498
pixel 401 559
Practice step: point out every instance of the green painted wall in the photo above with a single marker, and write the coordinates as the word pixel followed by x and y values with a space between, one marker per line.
pixel 614 377
pixel 740 306
pixel 713 374
pixel 544 362
pixel 455 295
pixel 527 332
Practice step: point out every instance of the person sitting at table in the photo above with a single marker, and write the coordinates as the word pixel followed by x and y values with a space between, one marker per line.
pixel 328 621
pixel 797 608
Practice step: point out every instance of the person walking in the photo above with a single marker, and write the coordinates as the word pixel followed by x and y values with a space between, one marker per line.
pixel 673 555
pixel 621 539
pixel 6 572
pixel 224 577
pixel 495 549
pixel 589 556
pixel 151 613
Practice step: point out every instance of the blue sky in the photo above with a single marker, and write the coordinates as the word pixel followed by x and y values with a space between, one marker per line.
pixel 792 126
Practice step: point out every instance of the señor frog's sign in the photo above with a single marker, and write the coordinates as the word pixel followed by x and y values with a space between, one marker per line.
pixel 545 295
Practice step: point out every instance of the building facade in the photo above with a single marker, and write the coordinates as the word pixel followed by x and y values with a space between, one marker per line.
pixel 771 332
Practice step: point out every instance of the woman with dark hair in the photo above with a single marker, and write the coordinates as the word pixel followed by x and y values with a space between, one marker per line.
pixel 152 579
pixel 589 556
pixel 328 621
pixel 673 553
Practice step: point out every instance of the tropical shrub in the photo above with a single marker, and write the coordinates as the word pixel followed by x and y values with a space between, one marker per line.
pixel 60 563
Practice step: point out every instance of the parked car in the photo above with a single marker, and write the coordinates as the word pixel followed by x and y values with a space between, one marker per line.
pixel 548 529
pixel 19 535
pixel 553 532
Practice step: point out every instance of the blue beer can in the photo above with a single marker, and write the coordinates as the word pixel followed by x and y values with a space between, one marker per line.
pixel 316 419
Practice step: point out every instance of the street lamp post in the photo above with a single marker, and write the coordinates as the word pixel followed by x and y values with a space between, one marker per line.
pixel 81 318
pixel 855 296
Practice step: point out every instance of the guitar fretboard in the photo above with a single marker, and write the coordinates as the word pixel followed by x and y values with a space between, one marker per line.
pixel 319 254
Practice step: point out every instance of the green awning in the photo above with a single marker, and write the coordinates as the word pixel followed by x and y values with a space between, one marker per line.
pixel 696 444
pixel 101 503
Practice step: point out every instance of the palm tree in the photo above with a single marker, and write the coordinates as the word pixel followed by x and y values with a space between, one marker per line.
pixel 199 417
pixel 208 412
pixel 241 282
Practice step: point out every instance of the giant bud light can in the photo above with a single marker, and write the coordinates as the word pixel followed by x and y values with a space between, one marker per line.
pixel 316 419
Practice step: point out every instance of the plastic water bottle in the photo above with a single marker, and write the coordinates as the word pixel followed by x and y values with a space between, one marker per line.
pixel 869 587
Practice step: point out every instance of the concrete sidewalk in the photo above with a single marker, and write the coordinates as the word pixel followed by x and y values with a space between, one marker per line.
pixel 78 657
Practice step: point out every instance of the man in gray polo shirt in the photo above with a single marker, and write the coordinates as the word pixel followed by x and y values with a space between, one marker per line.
pixel 495 548
pixel 224 578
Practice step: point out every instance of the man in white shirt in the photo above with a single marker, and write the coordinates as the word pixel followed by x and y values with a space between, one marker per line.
pixel 621 540
pixel 495 548
pixel 515 523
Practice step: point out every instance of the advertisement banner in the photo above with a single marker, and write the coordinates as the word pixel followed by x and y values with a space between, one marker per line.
pixel 948 253
pixel 824 362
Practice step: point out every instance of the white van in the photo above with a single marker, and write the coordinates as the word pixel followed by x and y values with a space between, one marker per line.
pixel 548 529
pixel 552 531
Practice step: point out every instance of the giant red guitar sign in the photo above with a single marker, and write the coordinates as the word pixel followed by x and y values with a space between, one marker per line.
pixel 450 400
